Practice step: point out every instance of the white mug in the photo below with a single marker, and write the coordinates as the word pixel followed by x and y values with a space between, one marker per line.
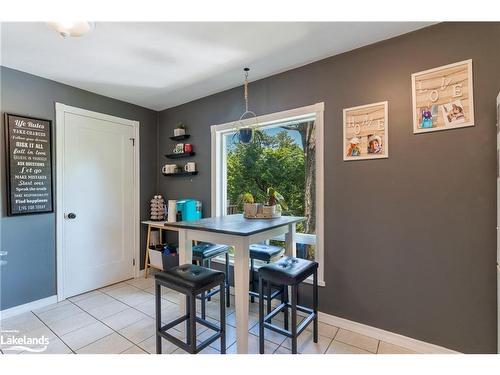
pixel 169 168
pixel 190 167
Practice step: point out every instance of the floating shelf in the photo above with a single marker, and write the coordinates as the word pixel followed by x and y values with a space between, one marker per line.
pixel 181 174
pixel 180 137
pixel 179 156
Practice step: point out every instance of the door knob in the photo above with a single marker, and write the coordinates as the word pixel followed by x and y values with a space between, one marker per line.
pixel 71 215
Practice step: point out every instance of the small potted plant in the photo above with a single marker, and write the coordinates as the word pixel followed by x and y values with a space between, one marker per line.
pixel 249 206
pixel 275 202
pixel 180 129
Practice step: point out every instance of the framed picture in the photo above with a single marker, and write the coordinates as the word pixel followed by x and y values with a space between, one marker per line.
pixel 28 147
pixel 366 132
pixel 443 98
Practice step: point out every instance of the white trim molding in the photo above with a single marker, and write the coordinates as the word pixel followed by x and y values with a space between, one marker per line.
pixel 61 109
pixel 38 304
pixel 218 166
pixel 415 345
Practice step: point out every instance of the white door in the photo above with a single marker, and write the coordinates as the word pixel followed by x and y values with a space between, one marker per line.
pixel 97 203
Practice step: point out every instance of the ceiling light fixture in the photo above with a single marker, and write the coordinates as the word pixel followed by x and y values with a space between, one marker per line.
pixel 72 28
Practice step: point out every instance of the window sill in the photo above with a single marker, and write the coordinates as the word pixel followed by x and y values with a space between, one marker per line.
pixel 258 264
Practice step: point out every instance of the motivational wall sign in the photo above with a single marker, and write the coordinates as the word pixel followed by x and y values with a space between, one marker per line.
pixel 365 132
pixel 29 165
pixel 443 98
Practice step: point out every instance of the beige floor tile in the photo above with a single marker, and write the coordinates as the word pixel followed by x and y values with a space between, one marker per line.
pixel 72 323
pixel 386 348
pixel 253 319
pixel 21 323
pixel 142 283
pixel 60 313
pixel 149 345
pixel 306 345
pixel 140 330
pixel 97 300
pixel 173 296
pixel 134 350
pixel 83 296
pixel 86 335
pixel 253 346
pixel 108 309
pixel 52 306
pixel 324 329
pixel 338 347
pixel 356 339
pixel 113 286
pixel 149 308
pixel 230 337
pixel 111 344
pixel 282 350
pixel 272 336
pixel 130 295
pixel 56 346
pixel 207 350
pixel 123 318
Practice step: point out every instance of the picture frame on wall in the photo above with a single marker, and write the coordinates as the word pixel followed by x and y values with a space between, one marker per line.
pixel 366 134
pixel 28 150
pixel 443 98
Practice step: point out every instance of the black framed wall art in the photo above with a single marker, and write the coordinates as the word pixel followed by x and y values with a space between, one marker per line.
pixel 28 147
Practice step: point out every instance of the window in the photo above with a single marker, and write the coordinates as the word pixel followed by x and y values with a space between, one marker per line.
pixel 286 154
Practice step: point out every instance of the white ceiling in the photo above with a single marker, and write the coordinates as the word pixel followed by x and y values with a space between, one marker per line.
pixel 161 65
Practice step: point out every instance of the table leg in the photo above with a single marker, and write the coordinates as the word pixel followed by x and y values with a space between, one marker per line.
pixel 241 280
pixel 290 241
pixel 185 257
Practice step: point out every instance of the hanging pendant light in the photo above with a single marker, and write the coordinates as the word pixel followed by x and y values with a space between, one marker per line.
pixel 245 129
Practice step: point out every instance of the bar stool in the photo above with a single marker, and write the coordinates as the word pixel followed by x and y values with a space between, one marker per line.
pixel 288 271
pixel 202 254
pixel 264 253
pixel 190 280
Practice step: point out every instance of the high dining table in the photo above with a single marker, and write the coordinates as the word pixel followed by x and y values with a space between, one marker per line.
pixel 236 231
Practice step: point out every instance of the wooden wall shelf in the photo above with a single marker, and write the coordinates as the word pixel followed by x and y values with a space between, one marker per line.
pixel 180 155
pixel 181 174
pixel 180 137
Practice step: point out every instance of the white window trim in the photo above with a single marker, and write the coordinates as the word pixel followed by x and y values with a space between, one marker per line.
pixel 218 165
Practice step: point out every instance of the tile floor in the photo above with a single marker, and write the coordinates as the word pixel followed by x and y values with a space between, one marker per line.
pixel 120 319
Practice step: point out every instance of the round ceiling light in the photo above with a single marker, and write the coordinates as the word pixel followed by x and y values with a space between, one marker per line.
pixel 72 28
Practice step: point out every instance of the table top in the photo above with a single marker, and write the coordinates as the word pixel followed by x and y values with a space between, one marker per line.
pixel 236 224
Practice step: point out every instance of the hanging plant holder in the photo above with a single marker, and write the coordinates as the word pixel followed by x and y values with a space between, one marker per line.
pixel 245 133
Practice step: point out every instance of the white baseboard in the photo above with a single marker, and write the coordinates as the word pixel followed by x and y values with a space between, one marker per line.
pixel 380 334
pixel 7 313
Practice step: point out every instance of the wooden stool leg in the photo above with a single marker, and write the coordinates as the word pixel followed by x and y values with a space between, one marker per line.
pixel 228 288
pixel 261 315
pixel 158 316
pixel 146 256
pixel 222 318
pixel 315 306
pixel 294 318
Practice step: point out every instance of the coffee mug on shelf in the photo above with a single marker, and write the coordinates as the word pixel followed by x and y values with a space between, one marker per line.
pixel 169 168
pixel 188 147
pixel 179 148
pixel 190 167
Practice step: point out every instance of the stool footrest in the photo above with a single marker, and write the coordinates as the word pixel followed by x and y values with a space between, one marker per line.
pixel 167 336
pixel 209 294
pixel 274 294
pixel 310 317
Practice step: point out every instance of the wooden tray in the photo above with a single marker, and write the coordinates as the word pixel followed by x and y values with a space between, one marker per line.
pixel 263 216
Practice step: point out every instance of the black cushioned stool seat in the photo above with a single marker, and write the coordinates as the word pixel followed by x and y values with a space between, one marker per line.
pixel 203 252
pixel 265 253
pixel 288 272
pixel 190 280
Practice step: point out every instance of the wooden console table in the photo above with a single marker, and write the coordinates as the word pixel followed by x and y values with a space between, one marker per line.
pixel 153 225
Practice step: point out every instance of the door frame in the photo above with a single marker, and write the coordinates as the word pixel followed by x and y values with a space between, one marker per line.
pixel 61 110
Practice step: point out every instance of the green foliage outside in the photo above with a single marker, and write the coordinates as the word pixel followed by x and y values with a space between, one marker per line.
pixel 270 161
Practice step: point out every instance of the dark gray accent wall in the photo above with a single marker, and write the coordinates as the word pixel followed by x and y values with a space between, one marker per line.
pixel 30 240
pixel 410 240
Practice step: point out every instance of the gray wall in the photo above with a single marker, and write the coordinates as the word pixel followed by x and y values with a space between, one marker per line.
pixel 30 240
pixel 410 241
